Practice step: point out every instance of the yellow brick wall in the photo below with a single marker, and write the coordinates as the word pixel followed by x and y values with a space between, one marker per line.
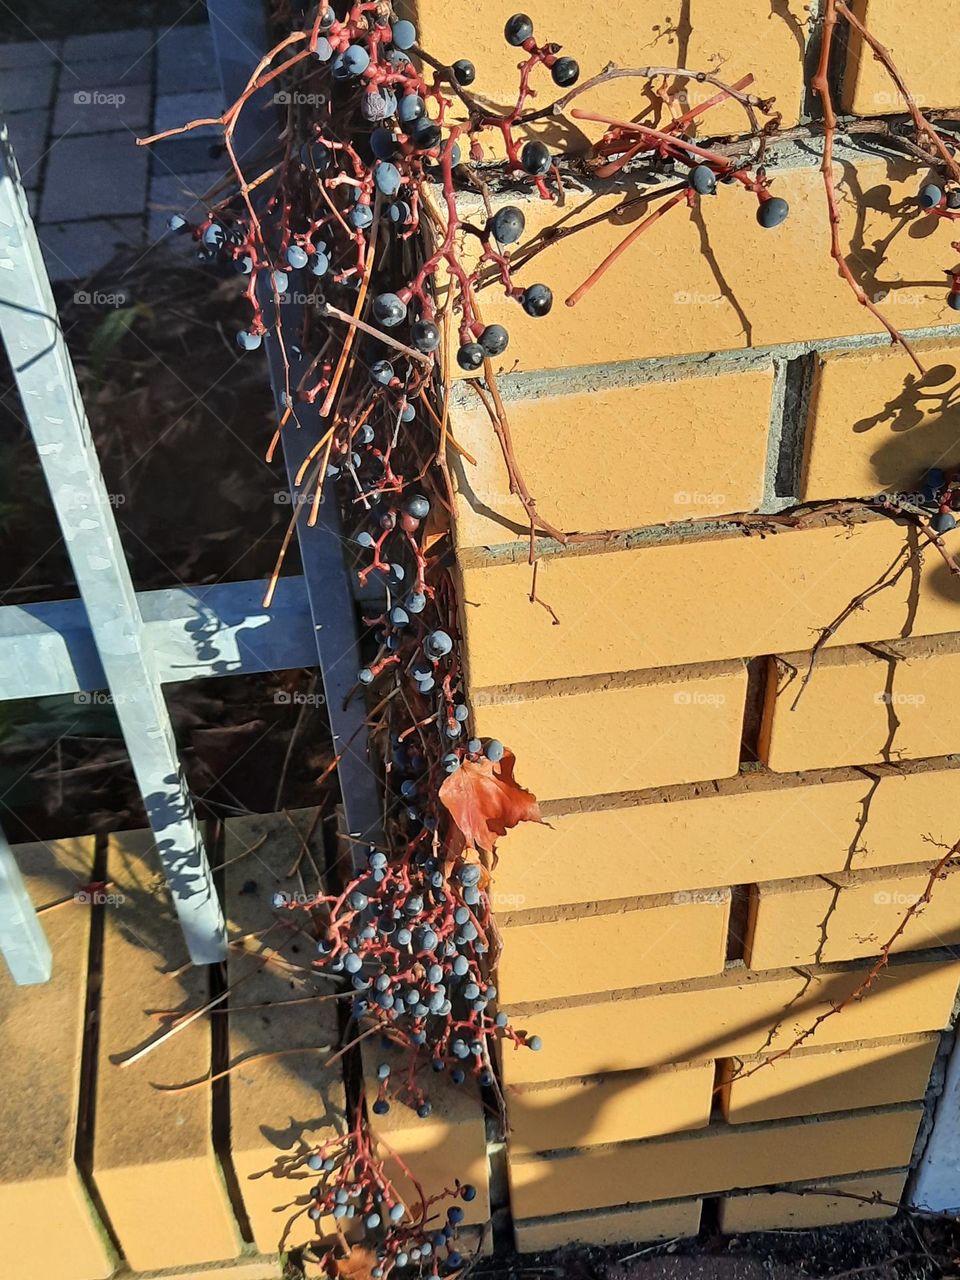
pixel 716 870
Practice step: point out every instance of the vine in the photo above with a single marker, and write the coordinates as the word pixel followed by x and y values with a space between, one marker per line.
pixel 361 201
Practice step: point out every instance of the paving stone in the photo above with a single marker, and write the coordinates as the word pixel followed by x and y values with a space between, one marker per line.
pixel 28 133
pixel 174 194
pixel 108 45
pixel 23 88
pixel 102 174
pixel 185 60
pixel 73 250
pixel 29 53
pixel 98 72
pixel 96 110
pixel 174 109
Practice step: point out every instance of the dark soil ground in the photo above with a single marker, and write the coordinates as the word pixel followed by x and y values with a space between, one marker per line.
pixel 181 425
pixel 905 1248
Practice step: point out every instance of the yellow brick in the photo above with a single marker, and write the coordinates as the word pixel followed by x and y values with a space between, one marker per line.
pixel 664 297
pixel 846 915
pixel 277 1108
pixel 742 1012
pixel 578 738
pixel 703 601
pixel 717 1159
pixel 861 708
pixel 630 34
pixel 649 425
pixel 156 1172
pixel 49 1229
pixel 874 425
pixel 615 1108
pixel 663 939
pixel 763 1211
pixel 815 1081
pixel 731 834
pixel 923 54
pixel 647 1222
pixel 450 1143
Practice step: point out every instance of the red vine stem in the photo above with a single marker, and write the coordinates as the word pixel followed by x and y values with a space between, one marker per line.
pixel 821 86
pixel 624 245
pixel 938 872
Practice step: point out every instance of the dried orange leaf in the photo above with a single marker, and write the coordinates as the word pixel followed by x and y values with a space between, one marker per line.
pixel 485 801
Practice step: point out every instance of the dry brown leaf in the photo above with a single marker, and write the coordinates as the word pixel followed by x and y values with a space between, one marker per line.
pixel 485 801
pixel 357 1265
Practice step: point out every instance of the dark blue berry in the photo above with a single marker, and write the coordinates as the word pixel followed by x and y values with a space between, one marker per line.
pixel 943 522
pixel 387 177
pixel 470 356
pixel 703 180
pixel 418 506
pixel 404 35
pixel 382 372
pixel 425 134
pixel 360 217
pixel 464 72
pixel 383 144
pixel 518 29
pixel 537 299
pixel 536 159
pixel 411 108
pixel 351 62
pixel 507 224
pixel 930 196
pixel 494 339
pixel 425 336
pixel 565 72
pixel 389 310
pixel 772 212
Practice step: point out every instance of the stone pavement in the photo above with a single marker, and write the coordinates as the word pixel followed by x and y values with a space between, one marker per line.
pixel 74 109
